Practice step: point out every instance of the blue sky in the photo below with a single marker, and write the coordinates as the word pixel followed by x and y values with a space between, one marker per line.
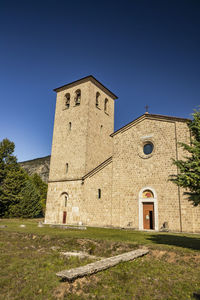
pixel 145 51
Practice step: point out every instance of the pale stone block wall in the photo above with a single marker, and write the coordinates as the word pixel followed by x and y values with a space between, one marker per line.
pixel 190 215
pixel 132 172
pixel 83 204
pixel 100 126
pixel 85 146
pixel 88 143
pixel 196 219
pixel 69 146
pixel 56 202
pixel 98 212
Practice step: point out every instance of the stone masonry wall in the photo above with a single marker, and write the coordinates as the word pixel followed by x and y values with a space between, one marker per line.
pixel 69 146
pixel 190 215
pixel 88 143
pixel 100 126
pixel 56 202
pixel 132 171
pixel 98 211
pixel 83 146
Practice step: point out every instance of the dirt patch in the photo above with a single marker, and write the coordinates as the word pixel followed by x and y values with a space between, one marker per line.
pixel 169 256
pixel 61 290
pixel 104 248
pixel 46 238
pixel 158 253
pixel 173 257
pixel 77 287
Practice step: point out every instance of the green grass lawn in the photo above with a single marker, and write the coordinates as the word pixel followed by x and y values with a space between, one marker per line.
pixel 30 258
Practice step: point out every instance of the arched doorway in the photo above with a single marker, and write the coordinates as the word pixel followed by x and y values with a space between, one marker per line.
pixel 148 209
pixel 64 201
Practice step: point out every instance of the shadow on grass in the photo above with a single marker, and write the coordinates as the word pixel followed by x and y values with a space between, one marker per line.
pixel 176 240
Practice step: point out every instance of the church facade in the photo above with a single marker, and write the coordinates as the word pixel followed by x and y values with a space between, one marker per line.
pixel 103 178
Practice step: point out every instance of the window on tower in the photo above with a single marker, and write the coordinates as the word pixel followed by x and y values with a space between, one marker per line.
pixel 78 97
pixel 99 193
pixel 67 100
pixel 66 168
pixel 66 196
pixel 106 105
pixel 97 99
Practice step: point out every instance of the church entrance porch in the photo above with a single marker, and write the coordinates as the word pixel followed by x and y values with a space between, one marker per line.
pixel 148 216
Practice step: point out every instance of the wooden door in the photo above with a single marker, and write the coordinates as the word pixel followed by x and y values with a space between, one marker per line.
pixel 64 217
pixel 148 215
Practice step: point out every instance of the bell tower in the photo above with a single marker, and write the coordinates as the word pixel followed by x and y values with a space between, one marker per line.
pixel 84 120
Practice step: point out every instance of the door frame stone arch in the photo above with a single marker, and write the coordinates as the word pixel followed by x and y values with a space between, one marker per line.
pixel 147 200
pixel 63 207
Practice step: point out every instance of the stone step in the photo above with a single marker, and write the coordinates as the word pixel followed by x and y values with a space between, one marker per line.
pixel 72 274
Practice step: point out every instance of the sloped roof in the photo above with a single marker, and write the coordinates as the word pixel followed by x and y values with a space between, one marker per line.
pixel 98 168
pixel 152 117
pixel 85 79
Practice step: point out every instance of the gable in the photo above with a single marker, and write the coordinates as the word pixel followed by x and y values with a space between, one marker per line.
pixel 163 135
pixel 150 117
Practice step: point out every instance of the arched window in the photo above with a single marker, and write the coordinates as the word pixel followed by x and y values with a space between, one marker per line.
pixel 66 168
pixel 66 199
pixel 106 105
pixel 67 100
pixel 78 97
pixel 97 99
pixel 70 126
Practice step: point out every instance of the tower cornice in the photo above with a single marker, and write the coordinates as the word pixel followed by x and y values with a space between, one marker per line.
pixel 85 79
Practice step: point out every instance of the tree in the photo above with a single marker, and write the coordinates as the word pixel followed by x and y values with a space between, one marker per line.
pixel 7 159
pixel 41 186
pixel 189 169
pixel 12 177
pixel 29 205
pixel 11 188
pixel 20 194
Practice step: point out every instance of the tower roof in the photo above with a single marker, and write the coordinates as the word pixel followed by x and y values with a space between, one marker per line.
pixel 85 79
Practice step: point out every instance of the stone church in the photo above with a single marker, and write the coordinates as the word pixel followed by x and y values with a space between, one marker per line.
pixel 106 178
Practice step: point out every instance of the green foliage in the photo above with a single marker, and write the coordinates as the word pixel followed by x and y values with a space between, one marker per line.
pixel 12 177
pixel 7 159
pixel 20 195
pixel 11 188
pixel 29 205
pixel 189 169
pixel 41 186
